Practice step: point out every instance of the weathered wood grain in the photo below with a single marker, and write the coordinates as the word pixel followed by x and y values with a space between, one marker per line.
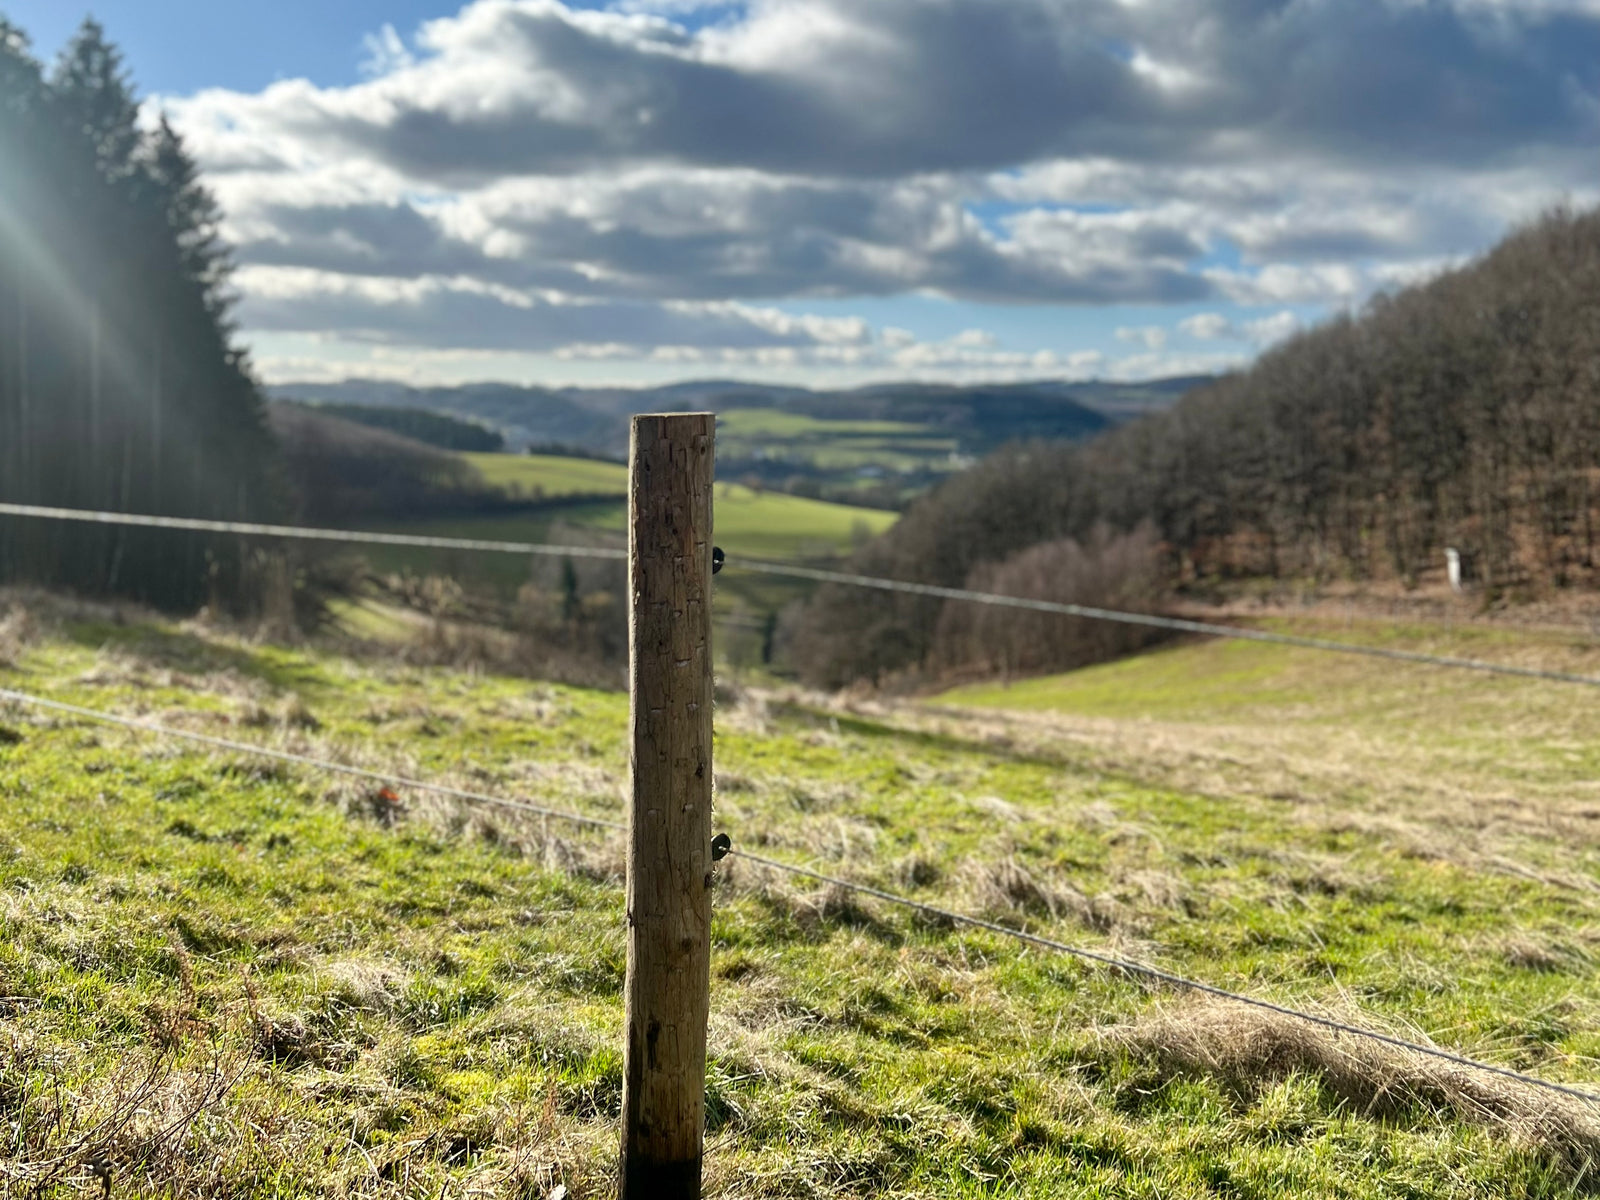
pixel 669 848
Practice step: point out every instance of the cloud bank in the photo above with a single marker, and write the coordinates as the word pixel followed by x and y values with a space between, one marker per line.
pixel 652 179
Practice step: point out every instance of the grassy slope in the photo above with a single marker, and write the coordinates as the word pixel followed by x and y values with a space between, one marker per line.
pixel 748 523
pixel 759 524
pixel 438 997
pixel 772 525
pixel 773 422
pixel 1426 726
pixel 833 445
pixel 553 475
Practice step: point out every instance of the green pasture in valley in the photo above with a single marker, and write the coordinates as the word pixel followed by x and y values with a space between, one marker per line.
pixel 223 976
pixel 763 524
pixel 551 475
pixel 832 445
pixel 757 523
pixel 748 524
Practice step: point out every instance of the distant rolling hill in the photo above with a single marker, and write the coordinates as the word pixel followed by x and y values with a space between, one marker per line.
pixel 876 445
pixel 596 418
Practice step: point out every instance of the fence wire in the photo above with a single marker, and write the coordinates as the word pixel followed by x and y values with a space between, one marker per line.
pixel 815 574
pixel 1133 967
pixel 364 537
pixel 1152 621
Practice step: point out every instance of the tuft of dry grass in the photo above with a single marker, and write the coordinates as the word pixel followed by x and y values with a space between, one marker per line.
pixel 375 985
pixel 291 712
pixel 1248 1050
pixel 17 631
pixel 1525 953
pixel 808 910
pixel 151 1117
pixel 917 871
pixel 1004 889
pixel 604 861
pixel 477 648
pixel 749 712
pixel 994 806
pixel 1154 889
pixel 730 783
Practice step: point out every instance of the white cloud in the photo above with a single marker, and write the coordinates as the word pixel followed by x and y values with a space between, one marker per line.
pixel 653 160
pixel 1290 283
pixel 677 8
pixel 1266 330
pixel 1206 326
pixel 875 88
pixel 1138 367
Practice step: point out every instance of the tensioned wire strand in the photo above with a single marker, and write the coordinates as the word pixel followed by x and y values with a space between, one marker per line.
pixel 304 533
pixel 1111 961
pixel 1133 967
pixel 817 574
pixel 1176 624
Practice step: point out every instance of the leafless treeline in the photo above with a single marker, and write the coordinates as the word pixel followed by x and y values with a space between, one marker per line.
pixel 1464 412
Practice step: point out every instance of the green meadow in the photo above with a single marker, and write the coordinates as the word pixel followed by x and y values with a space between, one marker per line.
pixel 759 524
pixel 550 474
pixel 222 976
pixel 833 445
pixel 749 523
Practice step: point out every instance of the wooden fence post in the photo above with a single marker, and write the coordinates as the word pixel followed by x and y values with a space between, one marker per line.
pixel 669 835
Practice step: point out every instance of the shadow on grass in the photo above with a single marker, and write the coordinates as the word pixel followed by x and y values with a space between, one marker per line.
pixel 921 738
pixel 192 654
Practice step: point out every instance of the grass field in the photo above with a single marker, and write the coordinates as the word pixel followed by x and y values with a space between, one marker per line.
pixel 758 524
pixel 229 977
pixel 748 524
pixel 776 526
pixel 551 475
pixel 832 445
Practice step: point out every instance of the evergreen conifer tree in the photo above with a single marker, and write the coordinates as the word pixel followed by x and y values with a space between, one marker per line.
pixel 120 385
pixel 94 94
pixel 192 214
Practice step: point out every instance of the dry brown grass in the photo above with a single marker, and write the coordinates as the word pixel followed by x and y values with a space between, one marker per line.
pixel 290 712
pixel 1549 955
pixel 17 631
pixel 481 648
pixel 748 710
pixel 598 855
pixel 1429 803
pixel 1005 889
pixel 1248 1050
pixel 152 1115
pixel 375 985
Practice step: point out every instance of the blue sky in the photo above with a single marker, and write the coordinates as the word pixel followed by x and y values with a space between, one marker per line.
pixel 845 191
pixel 180 46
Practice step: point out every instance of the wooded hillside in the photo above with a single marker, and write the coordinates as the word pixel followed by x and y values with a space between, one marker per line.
pixel 420 425
pixel 1464 412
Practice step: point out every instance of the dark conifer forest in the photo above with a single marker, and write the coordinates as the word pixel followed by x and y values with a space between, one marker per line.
pixel 120 384
pixel 1461 413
